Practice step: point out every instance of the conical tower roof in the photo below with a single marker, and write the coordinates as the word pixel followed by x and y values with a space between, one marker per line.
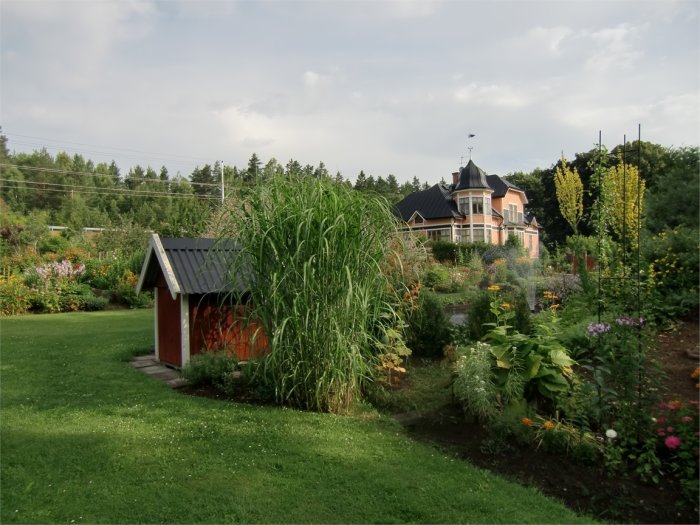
pixel 471 177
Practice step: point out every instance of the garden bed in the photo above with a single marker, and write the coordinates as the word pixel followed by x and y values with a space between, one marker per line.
pixel 584 488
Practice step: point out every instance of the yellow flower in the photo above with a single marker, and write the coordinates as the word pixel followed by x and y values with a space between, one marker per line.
pixel 493 288
pixel 505 306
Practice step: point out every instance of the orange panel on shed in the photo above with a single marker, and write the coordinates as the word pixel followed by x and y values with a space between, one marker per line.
pixel 215 326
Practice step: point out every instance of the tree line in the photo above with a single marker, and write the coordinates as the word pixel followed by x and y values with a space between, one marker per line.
pixel 670 175
pixel 72 191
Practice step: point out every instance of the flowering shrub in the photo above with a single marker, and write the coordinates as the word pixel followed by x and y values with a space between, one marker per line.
pixel 59 270
pixel 125 292
pixel 560 436
pixel 15 296
pixel 677 430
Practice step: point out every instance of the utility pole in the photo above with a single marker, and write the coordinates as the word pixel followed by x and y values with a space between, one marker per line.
pixel 222 182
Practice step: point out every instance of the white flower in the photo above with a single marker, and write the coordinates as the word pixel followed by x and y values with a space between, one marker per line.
pixel 610 433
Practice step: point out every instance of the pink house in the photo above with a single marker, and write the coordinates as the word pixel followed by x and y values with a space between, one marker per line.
pixel 476 207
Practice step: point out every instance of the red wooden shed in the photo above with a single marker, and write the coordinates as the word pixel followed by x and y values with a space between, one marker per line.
pixel 197 305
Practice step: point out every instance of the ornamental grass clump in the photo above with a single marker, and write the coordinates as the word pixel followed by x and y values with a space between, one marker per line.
pixel 312 256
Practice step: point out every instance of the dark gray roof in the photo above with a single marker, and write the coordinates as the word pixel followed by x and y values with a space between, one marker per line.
pixel 500 186
pixel 191 265
pixel 437 202
pixel 471 177
pixel 433 203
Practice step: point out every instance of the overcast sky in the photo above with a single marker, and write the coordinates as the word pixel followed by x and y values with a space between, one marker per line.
pixel 387 87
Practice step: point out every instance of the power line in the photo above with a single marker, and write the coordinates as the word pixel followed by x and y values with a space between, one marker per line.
pixel 158 155
pixel 95 174
pixel 107 152
pixel 117 192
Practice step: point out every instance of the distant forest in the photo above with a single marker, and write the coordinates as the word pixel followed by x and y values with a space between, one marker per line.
pixel 75 192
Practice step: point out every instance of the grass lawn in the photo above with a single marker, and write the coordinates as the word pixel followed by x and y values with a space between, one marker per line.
pixel 86 438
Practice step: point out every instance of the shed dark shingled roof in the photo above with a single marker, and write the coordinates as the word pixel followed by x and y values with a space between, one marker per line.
pixel 433 203
pixel 191 265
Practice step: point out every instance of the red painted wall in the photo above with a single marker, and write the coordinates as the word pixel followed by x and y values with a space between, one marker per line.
pixel 214 326
pixel 169 332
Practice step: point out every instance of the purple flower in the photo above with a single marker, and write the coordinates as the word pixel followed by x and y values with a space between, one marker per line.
pixel 595 329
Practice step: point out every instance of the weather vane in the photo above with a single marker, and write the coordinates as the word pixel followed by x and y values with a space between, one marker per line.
pixel 471 135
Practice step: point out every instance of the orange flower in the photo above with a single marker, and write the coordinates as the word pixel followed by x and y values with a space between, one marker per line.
pixel 505 306
pixel 526 421
pixel 548 425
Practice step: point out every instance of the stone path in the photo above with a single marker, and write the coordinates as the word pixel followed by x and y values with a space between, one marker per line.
pixel 148 365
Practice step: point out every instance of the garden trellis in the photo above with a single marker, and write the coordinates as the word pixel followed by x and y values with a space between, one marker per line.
pixel 619 285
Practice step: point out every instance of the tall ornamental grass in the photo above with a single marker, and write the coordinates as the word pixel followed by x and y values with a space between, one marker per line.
pixel 312 256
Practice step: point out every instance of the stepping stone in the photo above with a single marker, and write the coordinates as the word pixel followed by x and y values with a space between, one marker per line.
pixel 177 382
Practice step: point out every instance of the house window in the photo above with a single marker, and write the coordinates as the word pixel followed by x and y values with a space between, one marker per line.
pixel 443 234
pixel 512 213
pixel 463 205
pixel 466 235
pixel 478 235
pixel 487 205
pixel 418 219
pixel 477 205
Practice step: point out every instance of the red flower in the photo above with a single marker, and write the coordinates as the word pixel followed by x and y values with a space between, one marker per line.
pixel 672 442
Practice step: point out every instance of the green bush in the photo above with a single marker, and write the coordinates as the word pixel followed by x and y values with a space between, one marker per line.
pixel 125 292
pixel 436 276
pixel 673 262
pixel 480 312
pixel 444 251
pixel 73 296
pixel 428 328
pixel 53 244
pixel 213 368
pixel 94 303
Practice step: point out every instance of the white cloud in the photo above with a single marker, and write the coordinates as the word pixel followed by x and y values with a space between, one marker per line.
pixel 251 128
pixel 311 79
pixel 615 48
pixel 491 95
pixel 551 37
pixel 409 8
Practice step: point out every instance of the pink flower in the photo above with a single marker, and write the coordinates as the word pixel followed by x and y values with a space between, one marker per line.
pixel 669 429
pixel 661 420
pixel 672 442
pixel 661 432
pixel 687 419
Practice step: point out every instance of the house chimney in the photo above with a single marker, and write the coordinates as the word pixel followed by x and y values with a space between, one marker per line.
pixel 455 178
